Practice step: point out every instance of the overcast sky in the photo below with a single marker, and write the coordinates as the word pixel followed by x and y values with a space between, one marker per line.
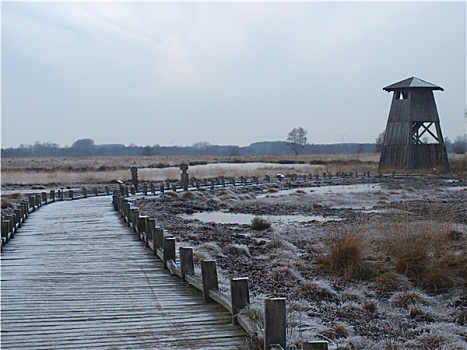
pixel 224 73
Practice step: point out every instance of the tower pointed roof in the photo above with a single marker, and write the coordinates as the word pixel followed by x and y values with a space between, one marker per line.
pixel 411 83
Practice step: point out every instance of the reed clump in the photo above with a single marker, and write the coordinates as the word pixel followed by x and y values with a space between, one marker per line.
pixel 346 252
pixel 427 252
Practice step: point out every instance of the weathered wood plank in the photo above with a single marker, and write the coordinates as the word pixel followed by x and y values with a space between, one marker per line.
pixel 74 277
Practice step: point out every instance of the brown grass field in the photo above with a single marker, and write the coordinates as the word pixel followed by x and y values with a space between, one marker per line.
pixel 101 170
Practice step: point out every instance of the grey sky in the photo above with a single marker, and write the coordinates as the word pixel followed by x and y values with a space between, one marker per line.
pixel 226 73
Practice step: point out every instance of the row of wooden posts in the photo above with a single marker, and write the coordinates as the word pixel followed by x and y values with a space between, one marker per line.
pixel 162 243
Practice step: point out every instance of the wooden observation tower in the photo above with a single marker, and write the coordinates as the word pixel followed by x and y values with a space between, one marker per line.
pixel 413 137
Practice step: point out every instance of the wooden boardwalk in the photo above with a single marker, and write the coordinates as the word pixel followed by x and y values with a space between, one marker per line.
pixel 75 278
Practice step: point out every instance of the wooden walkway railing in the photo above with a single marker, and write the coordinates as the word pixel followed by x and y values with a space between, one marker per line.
pixel 162 244
pixel 73 278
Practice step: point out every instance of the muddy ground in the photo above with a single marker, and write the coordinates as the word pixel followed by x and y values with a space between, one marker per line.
pixel 354 309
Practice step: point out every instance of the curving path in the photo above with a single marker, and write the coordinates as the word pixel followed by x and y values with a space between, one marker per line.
pixel 74 277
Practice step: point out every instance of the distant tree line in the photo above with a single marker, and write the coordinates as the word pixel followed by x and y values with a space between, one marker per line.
pixel 88 148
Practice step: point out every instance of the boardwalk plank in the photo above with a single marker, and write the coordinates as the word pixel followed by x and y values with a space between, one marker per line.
pixel 74 277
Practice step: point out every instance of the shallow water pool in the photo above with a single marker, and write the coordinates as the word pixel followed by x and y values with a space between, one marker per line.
pixel 245 219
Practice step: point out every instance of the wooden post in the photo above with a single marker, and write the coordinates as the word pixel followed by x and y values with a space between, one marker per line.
pixel 38 201
pixel 315 345
pixel 133 190
pixel 158 238
pixel 44 197
pixel 274 322
pixel 11 223
pixel 126 191
pixel 153 189
pixel 96 191
pixel 106 190
pixel 85 192
pixel 186 262
pixel 134 218
pixel 18 216
pixel 240 296
pixel 25 205
pixel 150 227
pixel 32 202
pixel 115 202
pixel 126 212
pixel 5 229
pixel 169 250
pixel 52 195
pixel 209 277
pixel 142 225
pixel 70 194
pixel 161 188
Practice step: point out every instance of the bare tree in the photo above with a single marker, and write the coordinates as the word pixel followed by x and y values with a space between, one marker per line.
pixel 297 139
pixel 379 142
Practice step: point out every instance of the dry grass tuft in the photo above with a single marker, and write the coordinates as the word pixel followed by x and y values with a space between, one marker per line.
pixel 315 290
pixel 237 250
pixel 390 282
pixel 430 253
pixel 336 330
pixel 420 315
pixel 406 299
pixel 371 306
pixel 346 253
pixel 284 273
pixel 260 224
pixel 461 318
pixel 411 251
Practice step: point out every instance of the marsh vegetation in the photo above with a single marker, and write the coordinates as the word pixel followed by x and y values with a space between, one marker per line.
pixel 388 270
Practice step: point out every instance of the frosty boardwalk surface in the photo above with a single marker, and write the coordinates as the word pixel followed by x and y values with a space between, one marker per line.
pixel 75 278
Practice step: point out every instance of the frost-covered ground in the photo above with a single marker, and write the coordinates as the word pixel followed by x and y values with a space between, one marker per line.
pixel 388 270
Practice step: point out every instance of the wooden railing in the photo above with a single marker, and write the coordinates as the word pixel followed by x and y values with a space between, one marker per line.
pixel 12 221
pixel 163 245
